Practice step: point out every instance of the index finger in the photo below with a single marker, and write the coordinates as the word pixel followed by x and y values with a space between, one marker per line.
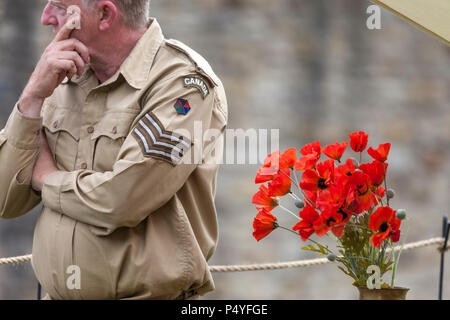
pixel 64 33
pixel 73 22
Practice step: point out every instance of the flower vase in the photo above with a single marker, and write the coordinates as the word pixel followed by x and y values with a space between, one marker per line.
pixel 396 293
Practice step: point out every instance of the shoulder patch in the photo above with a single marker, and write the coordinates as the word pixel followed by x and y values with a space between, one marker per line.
pixel 182 106
pixel 196 82
pixel 155 141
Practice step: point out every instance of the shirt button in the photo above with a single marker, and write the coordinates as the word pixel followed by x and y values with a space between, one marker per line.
pixel 114 130
pixel 84 165
pixel 55 124
pixel 90 129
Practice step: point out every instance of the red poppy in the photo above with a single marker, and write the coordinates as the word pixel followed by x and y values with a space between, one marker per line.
pixel 264 174
pixel 311 197
pixel 335 150
pixel 314 180
pixel 305 227
pixel 358 141
pixel 383 221
pixel 269 168
pixel 289 158
pixel 311 154
pixel 275 162
pixel 395 230
pixel 379 194
pixel 335 199
pixel 265 198
pixel 312 148
pixel 338 230
pixel 263 224
pixel 360 192
pixel 326 221
pixel 307 162
pixel 331 198
pixel 376 171
pixel 281 183
pixel 345 169
pixel 381 153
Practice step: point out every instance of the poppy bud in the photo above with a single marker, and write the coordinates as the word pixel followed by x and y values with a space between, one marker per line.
pixel 300 204
pixel 331 257
pixel 390 193
pixel 401 214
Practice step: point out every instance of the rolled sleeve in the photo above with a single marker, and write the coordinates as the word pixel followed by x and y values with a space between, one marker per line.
pixel 19 149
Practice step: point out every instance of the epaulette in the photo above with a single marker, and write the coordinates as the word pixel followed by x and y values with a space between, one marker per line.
pixel 202 66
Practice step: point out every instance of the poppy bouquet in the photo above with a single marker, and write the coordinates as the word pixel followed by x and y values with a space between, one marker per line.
pixel 347 201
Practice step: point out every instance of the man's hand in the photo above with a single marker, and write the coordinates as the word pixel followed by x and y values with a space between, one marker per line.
pixel 44 165
pixel 63 57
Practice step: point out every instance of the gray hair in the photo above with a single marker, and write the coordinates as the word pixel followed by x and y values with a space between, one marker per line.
pixel 135 13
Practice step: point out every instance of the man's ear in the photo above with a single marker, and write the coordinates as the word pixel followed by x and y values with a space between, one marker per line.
pixel 107 13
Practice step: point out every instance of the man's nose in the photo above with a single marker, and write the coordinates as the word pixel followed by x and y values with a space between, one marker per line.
pixel 48 18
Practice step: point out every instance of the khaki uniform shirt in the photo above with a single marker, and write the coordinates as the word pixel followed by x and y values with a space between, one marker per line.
pixel 132 204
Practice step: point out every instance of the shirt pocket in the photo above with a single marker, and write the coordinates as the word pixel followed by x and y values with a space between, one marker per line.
pixel 108 137
pixel 62 129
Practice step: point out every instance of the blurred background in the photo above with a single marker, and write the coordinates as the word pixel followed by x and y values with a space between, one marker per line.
pixel 313 70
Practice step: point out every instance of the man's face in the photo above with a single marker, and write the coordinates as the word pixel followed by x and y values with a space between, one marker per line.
pixel 55 14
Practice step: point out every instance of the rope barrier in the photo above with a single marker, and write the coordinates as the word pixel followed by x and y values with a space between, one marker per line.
pixel 313 262
pixel 11 260
pixel 266 266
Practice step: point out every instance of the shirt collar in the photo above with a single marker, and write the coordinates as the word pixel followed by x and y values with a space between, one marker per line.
pixel 136 67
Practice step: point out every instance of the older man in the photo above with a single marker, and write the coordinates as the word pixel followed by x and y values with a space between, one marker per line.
pixel 104 134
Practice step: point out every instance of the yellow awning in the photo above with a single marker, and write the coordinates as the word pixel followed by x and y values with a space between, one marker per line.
pixel 432 16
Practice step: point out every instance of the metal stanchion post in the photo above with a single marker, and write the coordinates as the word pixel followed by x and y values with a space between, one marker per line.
pixel 39 291
pixel 445 231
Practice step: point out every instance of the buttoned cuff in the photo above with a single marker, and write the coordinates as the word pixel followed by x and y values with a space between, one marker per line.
pixel 54 185
pixel 22 131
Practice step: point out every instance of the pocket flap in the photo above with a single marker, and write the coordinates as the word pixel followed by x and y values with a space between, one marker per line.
pixel 63 120
pixel 114 126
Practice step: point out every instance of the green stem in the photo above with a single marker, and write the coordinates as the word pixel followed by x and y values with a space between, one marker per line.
pixel 394 267
pixel 289 211
pixel 295 177
pixel 353 225
pixel 378 197
pixel 315 242
pixel 385 184
pixel 288 230
pixel 298 187
pixel 301 191
pixel 292 181
pixel 396 260
pixel 294 196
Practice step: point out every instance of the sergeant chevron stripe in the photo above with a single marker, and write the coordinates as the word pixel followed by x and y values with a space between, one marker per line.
pixel 157 142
